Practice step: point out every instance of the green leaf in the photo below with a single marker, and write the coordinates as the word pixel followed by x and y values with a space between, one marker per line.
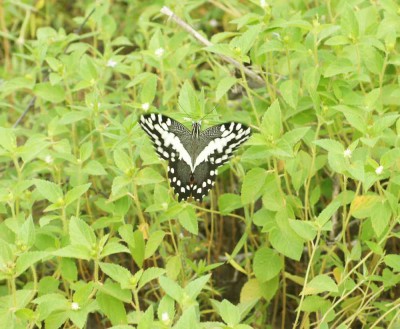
pixel 85 151
pixel 49 190
pixel 137 251
pixel 266 264
pixel 74 251
pixel 117 273
pixel 363 205
pixel 188 100
pixel 113 248
pixel 188 319
pixel 320 283
pixel 252 185
pixel 194 287
pixel 27 259
pixel 53 94
pixel 114 289
pixel 73 116
pixel 172 289
pixel 26 234
pixel 149 88
pixel 229 313
pixel 123 161
pixel 188 219
pixel 380 215
pixel 339 66
pixel 290 92
pixel 149 274
pixel 228 202
pixel 393 261
pixel 81 233
pixel 75 193
pixel 113 308
pixel 224 86
pixel 245 41
pixel 304 229
pixel 8 139
pixel 153 243
pixel 348 22
pixel 94 167
pixel 148 176
pixel 284 239
pixel 271 125
pixel 69 270
pixel 341 200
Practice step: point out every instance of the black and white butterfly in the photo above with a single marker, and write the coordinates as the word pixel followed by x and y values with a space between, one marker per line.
pixel 193 156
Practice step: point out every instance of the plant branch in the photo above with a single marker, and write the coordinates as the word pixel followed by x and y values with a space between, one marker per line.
pixel 167 11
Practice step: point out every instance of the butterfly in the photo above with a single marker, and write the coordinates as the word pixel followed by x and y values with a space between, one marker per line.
pixel 193 156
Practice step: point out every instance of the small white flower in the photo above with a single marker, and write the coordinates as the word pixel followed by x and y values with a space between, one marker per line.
pixel 347 153
pixel 75 306
pixel 20 41
pixel 145 106
pixel 159 52
pixel 111 63
pixel 165 317
pixel 48 159
pixel 213 22
pixel 379 170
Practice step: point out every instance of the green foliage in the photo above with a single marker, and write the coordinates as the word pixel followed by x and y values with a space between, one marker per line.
pixel 302 225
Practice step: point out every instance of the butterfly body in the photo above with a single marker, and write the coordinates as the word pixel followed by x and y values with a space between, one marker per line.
pixel 193 156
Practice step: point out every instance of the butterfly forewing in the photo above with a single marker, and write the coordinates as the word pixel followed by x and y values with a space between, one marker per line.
pixel 218 143
pixel 166 135
pixel 193 158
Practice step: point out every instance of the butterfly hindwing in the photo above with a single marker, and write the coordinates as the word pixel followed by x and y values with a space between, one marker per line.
pixel 204 179
pixel 179 175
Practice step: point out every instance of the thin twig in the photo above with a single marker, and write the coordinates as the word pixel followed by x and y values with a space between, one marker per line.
pixel 32 102
pixel 167 11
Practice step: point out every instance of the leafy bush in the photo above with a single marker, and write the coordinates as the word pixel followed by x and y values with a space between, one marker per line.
pixel 302 227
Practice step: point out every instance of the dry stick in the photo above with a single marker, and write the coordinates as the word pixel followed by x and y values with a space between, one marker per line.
pixel 33 99
pixel 166 11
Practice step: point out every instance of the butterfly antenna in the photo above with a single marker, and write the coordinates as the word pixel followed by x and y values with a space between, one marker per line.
pixel 214 108
pixel 189 116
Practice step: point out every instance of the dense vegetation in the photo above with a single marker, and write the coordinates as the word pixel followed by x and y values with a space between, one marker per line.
pixel 301 229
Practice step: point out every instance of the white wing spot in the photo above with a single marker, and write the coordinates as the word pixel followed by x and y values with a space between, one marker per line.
pixel 165 153
pixel 204 184
pixel 218 161
pixel 178 183
pixel 209 181
pixel 169 122
pixel 238 126
pixel 225 133
pixel 222 128
pixel 212 172
pixel 153 116
pixel 172 170
pixel 199 190
pixel 182 189
pixel 174 179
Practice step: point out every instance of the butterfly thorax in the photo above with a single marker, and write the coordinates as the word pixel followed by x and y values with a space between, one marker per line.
pixel 196 128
